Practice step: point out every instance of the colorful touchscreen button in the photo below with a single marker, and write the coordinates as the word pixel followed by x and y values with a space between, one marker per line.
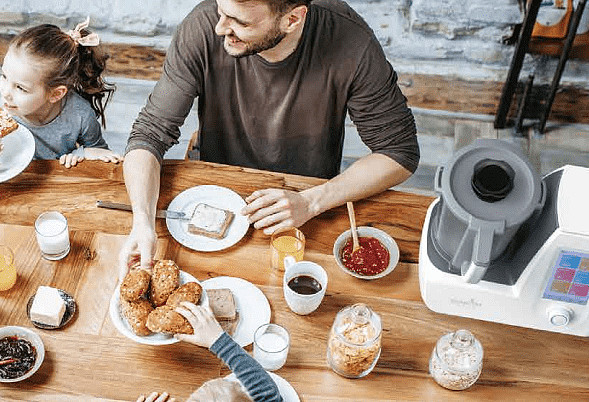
pixel 570 278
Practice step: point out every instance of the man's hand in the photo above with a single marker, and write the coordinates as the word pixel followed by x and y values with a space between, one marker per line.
pixel 206 328
pixel 141 241
pixel 274 209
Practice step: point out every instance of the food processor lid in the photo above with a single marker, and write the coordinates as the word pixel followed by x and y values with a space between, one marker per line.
pixel 491 181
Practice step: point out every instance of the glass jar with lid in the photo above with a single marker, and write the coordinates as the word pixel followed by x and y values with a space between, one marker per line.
pixel 457 360
pixel 354 342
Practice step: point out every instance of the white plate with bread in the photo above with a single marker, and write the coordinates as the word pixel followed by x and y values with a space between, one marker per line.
pixel 251 304
pixel 155 338
pixel 18 149
pixel 215 221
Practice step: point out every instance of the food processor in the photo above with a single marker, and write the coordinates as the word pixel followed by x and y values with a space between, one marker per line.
pixel 502 244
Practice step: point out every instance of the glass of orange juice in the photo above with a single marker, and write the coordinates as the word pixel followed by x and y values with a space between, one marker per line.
pixel 286 242
pixel 7 269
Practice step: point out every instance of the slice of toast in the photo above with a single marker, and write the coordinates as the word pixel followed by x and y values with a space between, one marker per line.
pixel 222 303
pixel 7 123
pixel 210 221
pixel 230 326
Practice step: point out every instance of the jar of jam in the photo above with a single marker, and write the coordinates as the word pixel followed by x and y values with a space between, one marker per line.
pixel 457 360
pixel 354 342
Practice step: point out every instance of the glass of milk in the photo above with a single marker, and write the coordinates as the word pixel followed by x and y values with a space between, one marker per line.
pixel 271 344
pixel 52 235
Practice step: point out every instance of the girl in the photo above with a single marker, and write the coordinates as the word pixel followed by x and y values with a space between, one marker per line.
pixel 255 384
pixel 51 83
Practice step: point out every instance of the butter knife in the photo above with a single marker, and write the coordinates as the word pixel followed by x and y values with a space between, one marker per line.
pixel 160 213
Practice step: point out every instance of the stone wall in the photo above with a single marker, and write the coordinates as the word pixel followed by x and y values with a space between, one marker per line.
pixel 440 37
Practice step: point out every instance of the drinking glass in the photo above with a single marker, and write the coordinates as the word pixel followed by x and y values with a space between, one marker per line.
pixel 286 242
pixel 7 268
pixel 271 344
pixel 52 235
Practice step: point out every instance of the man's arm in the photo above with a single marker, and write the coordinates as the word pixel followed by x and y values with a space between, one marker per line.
pixel 274 209
pixel 385 124
pixel 142 178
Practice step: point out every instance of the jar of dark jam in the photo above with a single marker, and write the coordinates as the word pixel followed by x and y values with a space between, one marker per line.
pixel 17 357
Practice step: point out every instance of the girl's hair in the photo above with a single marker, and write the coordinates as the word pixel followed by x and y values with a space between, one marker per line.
pixel 220 389
pixel 76 66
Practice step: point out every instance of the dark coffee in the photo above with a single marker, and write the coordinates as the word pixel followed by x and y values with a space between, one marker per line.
pixel 304 285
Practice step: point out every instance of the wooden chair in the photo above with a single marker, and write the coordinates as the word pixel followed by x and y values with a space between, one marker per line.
pixel 192 151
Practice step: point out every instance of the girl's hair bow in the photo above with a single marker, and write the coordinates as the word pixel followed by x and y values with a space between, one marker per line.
pixel 88 40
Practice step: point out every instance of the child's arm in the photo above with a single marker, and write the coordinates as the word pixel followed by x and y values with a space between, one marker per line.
pixel 208 333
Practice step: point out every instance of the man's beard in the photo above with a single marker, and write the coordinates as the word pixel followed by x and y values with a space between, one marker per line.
pixel 273 38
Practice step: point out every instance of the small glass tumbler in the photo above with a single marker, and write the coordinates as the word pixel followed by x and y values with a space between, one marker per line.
pixel 286 242
pixel 52 235
pixel 7 268
pixel 271 344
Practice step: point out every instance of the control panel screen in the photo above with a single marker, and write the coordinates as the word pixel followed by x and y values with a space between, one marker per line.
pixel 570 278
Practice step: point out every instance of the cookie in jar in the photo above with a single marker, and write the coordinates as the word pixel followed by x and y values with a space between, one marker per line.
pixel 354 342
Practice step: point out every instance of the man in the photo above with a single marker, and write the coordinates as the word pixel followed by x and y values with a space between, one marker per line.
pixel 274 80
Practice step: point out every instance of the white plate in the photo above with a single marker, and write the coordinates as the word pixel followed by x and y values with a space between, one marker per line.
pixel 124 328
pixel 19 149
pixel 286 390
pixel 251 303
pixel 70 310
pixel 220 197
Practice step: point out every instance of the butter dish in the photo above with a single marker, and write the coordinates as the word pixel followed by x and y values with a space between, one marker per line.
pixel 70 310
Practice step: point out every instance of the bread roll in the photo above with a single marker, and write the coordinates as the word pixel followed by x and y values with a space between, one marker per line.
pixel 165 279
pixel 166 319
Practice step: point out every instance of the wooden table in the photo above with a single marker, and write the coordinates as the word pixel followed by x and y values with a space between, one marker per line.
pixel 90 359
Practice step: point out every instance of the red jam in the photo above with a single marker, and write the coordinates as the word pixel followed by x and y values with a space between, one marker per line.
pixel 370 259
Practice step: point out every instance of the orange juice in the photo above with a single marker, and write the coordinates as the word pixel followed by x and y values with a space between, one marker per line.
pixel 291 242
pixel 7 268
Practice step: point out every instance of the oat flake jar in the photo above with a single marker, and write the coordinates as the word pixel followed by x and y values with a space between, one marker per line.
pixel 353 346
pixel 457 360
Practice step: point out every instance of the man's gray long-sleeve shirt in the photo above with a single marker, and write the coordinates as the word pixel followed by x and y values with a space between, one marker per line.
pixel 287 116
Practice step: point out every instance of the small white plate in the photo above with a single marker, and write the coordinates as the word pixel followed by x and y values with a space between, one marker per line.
pixel 286 390
pixel 18 152
pixel 251 303
pixel 124 328
pixel 220 197
pixel 34 339
pixel 70 310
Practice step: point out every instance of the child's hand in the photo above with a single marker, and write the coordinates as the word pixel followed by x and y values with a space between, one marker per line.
pixel 156 397
pixel 105 155
pixel 69 160
pixel 206 328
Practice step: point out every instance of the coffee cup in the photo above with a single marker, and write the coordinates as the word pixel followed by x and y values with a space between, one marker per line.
pixel 304 285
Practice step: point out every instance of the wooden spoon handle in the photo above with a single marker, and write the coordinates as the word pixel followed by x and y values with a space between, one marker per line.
pixel 356 243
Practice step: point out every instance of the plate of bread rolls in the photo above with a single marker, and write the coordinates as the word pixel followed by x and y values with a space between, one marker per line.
pixel 214 221
pixel 142 306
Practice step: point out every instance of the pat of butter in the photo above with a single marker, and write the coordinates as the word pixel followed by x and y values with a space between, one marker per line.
pixel 48 306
